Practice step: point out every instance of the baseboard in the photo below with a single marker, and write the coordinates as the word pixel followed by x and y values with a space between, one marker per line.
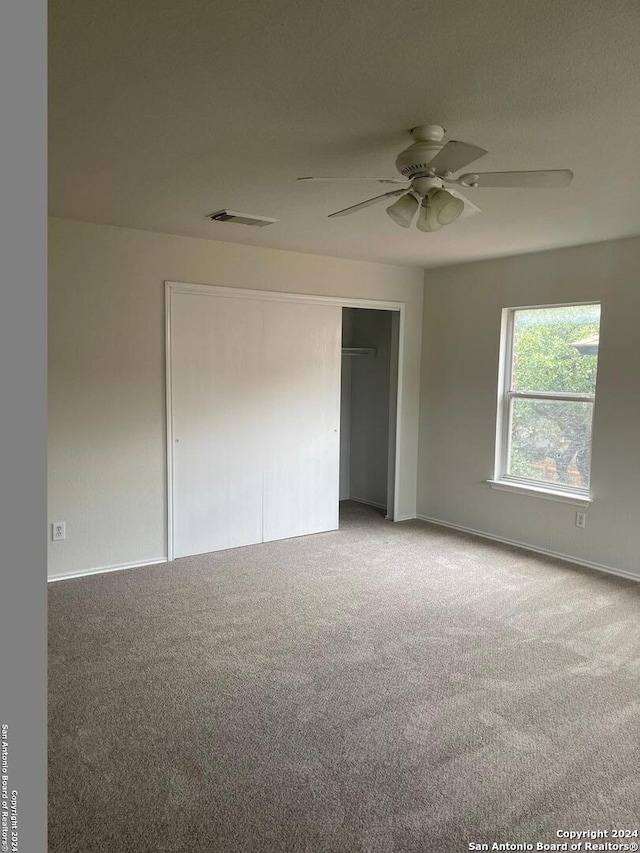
pixel 366 503
pixel 104 569
pixel 380 506
pixel 544 551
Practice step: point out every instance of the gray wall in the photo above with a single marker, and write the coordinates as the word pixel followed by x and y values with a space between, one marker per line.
pixel 369 445
pixel 462 310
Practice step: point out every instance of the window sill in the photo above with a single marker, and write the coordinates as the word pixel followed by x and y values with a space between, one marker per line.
pixel 541 492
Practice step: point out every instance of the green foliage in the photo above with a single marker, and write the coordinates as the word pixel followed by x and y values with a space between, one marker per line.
pixel 546 361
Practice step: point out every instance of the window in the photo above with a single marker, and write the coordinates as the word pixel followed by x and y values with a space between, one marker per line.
pixel 547 391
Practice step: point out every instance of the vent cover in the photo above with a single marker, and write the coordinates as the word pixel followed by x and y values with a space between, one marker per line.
pixel 241 218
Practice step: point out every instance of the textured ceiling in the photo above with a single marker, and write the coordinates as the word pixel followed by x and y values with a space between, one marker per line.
pixel 162 112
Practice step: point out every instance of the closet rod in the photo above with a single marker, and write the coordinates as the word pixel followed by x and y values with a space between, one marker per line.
pixel 365 351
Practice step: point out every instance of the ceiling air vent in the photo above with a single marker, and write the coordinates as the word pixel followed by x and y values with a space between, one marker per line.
pixel 241 218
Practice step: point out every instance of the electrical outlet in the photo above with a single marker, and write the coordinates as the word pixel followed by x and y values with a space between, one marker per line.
pixel 58 531
pixel 581 519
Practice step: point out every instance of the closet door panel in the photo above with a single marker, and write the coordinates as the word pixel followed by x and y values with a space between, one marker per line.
pixel 217 448
pixel 302 361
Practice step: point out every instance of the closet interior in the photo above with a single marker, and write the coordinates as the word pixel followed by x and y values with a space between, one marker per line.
pixel 368 403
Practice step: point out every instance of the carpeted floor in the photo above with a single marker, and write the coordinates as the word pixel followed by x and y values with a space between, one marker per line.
pixel 386 687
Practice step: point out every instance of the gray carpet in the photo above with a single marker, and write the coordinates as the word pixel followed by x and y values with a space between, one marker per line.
pixel 386 687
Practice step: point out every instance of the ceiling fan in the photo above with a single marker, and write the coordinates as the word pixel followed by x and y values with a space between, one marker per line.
pixel 427 165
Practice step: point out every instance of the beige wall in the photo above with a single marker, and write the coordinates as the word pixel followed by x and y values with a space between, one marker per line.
pixel 107 466
pixel 462 312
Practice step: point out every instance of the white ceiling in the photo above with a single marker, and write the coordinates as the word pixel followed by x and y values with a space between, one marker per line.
pixel 162 111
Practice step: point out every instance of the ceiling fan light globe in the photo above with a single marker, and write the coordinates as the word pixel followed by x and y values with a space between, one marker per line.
pixel 447 207
pixel 427 218
pixel 403 210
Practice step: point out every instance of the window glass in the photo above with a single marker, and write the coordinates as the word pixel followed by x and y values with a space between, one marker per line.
pixel 551 441
pixel 549 395
pixel 556 349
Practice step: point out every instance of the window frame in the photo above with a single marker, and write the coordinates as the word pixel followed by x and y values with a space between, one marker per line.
pixel 502 479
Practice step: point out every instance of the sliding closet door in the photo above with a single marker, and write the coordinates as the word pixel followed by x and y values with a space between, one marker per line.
pixel 217 398
pixel 302 360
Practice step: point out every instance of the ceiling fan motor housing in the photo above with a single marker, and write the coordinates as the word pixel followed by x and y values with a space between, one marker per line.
pixel 414 160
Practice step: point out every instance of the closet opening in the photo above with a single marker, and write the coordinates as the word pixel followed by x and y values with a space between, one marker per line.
pixel 368 406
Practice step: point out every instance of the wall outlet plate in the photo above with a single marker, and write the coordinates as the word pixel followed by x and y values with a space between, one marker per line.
pixel 581 519
pixel 58 531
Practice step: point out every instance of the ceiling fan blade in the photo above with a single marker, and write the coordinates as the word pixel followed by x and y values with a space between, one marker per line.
pixel 380 180
pixel 455 155
pixel 469 207
pixel 553 179
pixel 366 203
